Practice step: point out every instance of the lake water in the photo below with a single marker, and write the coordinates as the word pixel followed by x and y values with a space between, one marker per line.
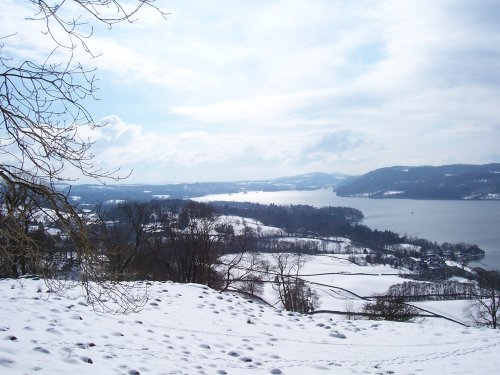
pixel 474 222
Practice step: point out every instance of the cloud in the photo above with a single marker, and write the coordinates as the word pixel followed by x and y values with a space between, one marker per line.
pixel 255 109
pixel 223 87
pixel 132 146
pixel 122 144
pixel 21 38
pixel 337 142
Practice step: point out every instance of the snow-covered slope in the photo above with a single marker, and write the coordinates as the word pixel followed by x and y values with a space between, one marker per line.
pixel 190 329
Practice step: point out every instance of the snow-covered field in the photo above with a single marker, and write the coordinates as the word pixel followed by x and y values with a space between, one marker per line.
pixel 363 281
pixel 339 283
pixel 239 223
pixel 190 329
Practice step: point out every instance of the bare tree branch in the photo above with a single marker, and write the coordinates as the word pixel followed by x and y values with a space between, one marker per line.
pixel 43 107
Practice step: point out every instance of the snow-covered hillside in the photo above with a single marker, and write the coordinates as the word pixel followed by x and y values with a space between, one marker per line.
pixel 190 329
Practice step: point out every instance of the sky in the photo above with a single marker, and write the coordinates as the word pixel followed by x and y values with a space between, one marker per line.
pixel 245 90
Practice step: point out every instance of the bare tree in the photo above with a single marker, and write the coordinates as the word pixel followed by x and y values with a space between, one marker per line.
pixel 484 308
pixel 350 310
pixel 129 234
pixel 17 257
pixel 241 266
pixel 42 108
pixel 196 241
pixel 393 308
pixel 293 292
pixel 243 272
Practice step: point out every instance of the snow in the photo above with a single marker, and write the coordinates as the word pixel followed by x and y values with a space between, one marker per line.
pixel 394 192
pixel 239 223
pixel 161 196
pixel 403 247
pixel 459 279
pixel 492 196
pixel 451 309
pixel 452 263
pixel 190 329
pixel 364 281
pixel 53 231
pixel 336 245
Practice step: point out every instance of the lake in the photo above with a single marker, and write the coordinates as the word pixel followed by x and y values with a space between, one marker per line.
pixel 474 222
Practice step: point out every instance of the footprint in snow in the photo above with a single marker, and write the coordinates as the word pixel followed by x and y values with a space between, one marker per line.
pixel 41 350
pixel 53 331
pixel 81 345
pixel 4 361
pixel 338 335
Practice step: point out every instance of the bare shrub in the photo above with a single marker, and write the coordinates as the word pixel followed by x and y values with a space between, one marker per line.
pixel 390 308
pixel 484 308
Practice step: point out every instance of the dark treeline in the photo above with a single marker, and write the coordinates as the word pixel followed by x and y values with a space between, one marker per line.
pixel 373 238
pixel 273 245
pixel 440 274
pixel 308 220
pixel 300 219
pixel 435 291
pixel 183 240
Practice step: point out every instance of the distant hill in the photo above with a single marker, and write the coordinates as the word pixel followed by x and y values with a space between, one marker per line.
pixel 309 181
pixel 92 194
pixel 458 181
